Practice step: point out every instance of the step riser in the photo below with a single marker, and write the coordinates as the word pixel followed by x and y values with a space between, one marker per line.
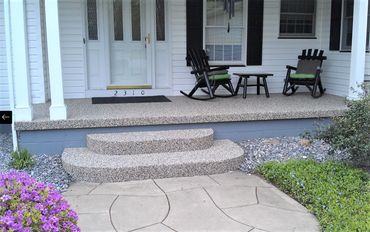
pixel 105 175
pixel 147 147
pixel 150 142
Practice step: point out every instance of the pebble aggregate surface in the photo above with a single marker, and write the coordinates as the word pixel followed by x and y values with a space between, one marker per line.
pixel 48 168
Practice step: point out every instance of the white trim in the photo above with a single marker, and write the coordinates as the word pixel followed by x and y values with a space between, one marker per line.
pixel 358 54
pixel 57 109
pixel 10 68
pixel 84 40
pixel 19 53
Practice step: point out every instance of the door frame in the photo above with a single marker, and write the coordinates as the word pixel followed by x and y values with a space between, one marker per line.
pixel 130 92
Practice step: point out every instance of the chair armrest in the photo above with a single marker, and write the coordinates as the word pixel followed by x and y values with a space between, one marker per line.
pixel 219 68
pixel 198 71
pixel 291 67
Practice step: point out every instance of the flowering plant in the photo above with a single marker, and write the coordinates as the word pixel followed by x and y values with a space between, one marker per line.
pixel 27 205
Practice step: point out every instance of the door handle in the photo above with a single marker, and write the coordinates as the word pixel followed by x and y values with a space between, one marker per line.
pixel 147 39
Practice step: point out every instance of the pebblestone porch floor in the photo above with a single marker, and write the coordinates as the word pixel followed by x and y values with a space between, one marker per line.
pixel 233 201
pixel 181 110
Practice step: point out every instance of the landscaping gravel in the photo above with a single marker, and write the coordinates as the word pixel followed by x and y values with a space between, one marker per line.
pixel 258 151
pixel 46 168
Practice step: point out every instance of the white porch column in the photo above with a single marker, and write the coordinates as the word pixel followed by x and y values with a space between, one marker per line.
pixel 357 71
pixel 16 37
pixel 58 109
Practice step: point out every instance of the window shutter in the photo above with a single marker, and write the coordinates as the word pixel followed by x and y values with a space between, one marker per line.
pixel 335 24
pixel 194 24
pixel 255 32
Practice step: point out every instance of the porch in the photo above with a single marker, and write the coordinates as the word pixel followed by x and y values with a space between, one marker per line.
pixel 230 118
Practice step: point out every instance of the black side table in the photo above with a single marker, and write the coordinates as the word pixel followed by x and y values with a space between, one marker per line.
pixel 245 76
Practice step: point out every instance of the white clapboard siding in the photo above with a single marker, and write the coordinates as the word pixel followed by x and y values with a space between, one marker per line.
pixel 35 57
pixel 4 90
pixel 71 15
pixel 276 53
pixel 44 50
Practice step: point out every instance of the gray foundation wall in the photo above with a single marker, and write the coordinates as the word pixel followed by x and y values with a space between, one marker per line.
pixel 54 141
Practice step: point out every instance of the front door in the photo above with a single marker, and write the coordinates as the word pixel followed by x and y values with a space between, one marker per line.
pixel 127 46
pixel 130 43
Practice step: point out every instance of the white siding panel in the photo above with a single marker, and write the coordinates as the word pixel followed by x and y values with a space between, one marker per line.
pixel 4 89
pixel 44 50
pixel 35 56
pixel 72 48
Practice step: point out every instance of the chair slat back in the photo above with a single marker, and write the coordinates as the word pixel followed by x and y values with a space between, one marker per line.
pixel 309 62
pixel 197 65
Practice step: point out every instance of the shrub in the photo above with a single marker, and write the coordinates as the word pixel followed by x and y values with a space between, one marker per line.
pixel 28 205
pixel 21 159
pixel 337 194
pixel 351 132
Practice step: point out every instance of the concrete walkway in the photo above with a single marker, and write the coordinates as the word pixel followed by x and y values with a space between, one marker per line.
pixel 232 201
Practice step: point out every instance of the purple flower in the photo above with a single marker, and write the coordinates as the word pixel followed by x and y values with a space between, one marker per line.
pixel 5 198
pixel 26 204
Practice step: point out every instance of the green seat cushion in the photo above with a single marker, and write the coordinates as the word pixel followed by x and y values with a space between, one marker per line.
pixel 217 72
pixel 302 75
pixel 219 77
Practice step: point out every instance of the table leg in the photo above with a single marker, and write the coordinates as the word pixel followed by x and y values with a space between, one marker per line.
pixel 245 87
pixel 238 85
pixel 266 88
pixel 258 85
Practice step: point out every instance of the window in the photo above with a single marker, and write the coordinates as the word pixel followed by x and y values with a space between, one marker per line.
pixel 297 18
pixel 160 20
pixel 135 20
pixel 346 40
pixel 118 20
pixel 92 20
pixel 224 44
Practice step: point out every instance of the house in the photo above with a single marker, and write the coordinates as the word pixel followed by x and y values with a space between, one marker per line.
pixel 54 50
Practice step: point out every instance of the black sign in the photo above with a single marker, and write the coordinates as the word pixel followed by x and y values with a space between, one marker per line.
pixel 6 117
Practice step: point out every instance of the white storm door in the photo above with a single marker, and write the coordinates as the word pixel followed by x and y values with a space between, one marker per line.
pixel 97 59
pixel 131 49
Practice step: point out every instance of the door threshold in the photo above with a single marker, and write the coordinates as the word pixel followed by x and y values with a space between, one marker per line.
pixel 113 87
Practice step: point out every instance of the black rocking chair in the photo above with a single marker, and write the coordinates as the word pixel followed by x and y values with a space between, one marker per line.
pixel 307 73
pixel 207 79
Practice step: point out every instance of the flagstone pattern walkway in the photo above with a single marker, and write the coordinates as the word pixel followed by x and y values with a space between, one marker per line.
pixel 233 201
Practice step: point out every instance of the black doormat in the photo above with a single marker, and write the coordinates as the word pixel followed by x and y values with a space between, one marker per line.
pixel 113 100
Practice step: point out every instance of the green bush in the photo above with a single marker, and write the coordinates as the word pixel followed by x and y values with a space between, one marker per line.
pixel 21 159
pixel 337 194
pixel 351 132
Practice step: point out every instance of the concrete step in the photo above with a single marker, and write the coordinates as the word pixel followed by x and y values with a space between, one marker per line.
pixel 150 142
pixel 85 165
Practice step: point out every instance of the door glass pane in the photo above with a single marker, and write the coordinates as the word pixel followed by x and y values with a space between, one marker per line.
pixel 118 20
pixel 135 19
pixel 160 21
pixel 92 20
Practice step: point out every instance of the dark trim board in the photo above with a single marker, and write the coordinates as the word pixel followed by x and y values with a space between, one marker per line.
pixel 54 141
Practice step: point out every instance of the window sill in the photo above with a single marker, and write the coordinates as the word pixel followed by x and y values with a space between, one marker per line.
pixel 297 37
pixel 349 51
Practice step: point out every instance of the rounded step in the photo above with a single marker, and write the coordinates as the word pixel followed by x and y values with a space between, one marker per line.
pixel 85 165
pixel 150 142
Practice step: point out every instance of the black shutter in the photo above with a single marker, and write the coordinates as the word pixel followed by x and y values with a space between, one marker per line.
pixel 194 24
pixel 255 32
pixel 335 24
